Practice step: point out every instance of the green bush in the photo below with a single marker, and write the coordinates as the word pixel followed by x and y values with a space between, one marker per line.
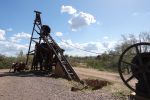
pixel 6 62
pixel 104 62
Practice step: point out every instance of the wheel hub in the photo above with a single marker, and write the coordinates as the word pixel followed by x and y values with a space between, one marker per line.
pixel 143 72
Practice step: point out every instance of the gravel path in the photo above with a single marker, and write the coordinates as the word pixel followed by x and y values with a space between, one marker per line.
pixel 30 87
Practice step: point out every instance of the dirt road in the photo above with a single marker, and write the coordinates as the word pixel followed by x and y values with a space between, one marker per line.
pixel 86 72
pixel 32 87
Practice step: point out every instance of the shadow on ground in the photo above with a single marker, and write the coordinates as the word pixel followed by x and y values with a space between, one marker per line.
pixel 28 74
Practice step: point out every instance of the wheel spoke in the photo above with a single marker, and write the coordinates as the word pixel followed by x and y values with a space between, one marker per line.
pixel 130 64
pixel 137 50
pixel 129 79
pixel 140 48
pixel 139 56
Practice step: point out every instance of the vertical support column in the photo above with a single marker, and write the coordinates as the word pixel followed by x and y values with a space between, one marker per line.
pixel 38 23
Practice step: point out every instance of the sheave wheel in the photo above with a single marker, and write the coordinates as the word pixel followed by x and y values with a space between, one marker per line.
pixel 134 66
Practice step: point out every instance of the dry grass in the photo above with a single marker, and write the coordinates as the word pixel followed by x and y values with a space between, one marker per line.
pixel 118 89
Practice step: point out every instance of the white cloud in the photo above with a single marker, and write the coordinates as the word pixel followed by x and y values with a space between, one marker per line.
pixel 11 49
pixel 10 46
pixel 109 44
pixel 135 13
pixel 19 36
pixel 22 35
pixel 79 49
pixel 105 37
pixel 91 46
pixel 68 9
pixel 9 29
pixel 66 44
pixel 2 34
pixel 59 34
pixel 78 19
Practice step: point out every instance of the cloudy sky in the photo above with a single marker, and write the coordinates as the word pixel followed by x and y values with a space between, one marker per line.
pixel 77 25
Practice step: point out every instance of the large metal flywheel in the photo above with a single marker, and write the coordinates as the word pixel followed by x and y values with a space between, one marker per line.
pixel 134 68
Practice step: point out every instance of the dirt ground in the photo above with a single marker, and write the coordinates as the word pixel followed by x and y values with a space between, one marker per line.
pixel 87 72
pixel 28 86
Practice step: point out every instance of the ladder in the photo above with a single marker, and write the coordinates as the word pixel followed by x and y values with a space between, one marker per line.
pixel 61 59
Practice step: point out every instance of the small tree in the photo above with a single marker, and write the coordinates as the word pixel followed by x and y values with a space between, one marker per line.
pixel 21 56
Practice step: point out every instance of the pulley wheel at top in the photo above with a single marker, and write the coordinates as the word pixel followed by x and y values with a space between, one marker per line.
pixel 45 30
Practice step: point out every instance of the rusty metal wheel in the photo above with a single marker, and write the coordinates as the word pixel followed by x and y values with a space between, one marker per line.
pixel 134 66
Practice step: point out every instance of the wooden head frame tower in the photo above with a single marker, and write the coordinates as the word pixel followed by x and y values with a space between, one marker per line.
pixel 43 32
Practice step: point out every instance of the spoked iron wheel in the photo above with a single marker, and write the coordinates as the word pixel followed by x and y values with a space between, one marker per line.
pixel 134 66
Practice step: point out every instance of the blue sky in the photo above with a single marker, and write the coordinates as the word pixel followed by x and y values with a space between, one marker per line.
pixel 86 24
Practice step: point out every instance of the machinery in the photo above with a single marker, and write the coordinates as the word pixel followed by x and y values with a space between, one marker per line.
pixel 134 69
pixel 18 67
pixel 46 52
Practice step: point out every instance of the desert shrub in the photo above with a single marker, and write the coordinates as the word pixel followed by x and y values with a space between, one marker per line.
pixel 6 62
